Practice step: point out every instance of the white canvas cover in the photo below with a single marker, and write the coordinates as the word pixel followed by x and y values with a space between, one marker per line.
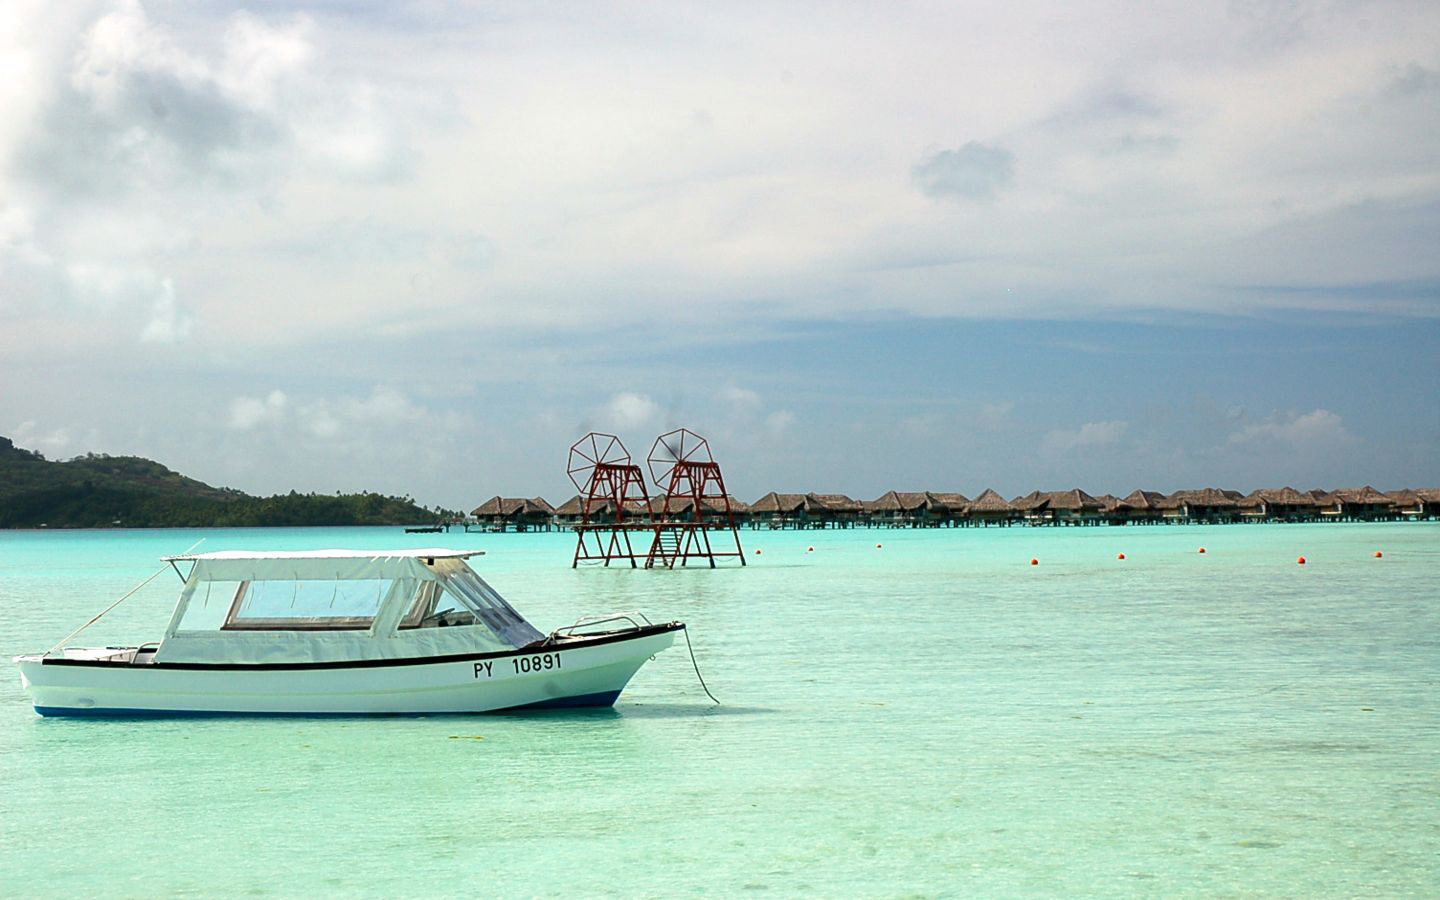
pixel 382 599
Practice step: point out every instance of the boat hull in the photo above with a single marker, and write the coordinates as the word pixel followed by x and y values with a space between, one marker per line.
pixel 579 672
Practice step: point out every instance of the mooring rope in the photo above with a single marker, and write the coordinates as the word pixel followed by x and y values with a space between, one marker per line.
pixel 65 640
pixel 686 631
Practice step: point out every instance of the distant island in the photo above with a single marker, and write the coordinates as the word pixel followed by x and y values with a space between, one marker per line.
pixel 99 491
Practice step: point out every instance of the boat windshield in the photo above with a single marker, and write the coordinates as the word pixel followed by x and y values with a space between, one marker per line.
pixel 308 604
pixel 435 607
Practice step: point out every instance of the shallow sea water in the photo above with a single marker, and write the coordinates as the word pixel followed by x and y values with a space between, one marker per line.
pixel 930 717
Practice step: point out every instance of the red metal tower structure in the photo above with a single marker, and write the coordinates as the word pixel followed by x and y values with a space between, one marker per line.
pixel 695 502
pixel 613 500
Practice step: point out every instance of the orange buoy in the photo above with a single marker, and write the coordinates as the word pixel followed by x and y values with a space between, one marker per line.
pixel 1121 556
pixel 1301 560
pixel 1034 562
pixel 757 551
pixel 1202 549
pixel 1378 554
pixel 809 549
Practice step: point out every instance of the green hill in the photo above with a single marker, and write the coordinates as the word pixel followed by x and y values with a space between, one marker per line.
pixel 94 491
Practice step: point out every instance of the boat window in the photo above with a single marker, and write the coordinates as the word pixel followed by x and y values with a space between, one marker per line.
pixel 307 604
pixel 209 606
pixel 435 607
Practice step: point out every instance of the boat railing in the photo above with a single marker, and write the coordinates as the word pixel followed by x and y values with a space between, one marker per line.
pixel 634 618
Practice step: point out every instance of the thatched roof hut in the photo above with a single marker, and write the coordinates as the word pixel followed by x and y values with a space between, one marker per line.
pixel 1137 506
pixel 1058 505
pixel 990 502
pixel 956 503
pixel 1031 503
pixel 888 504
pixel 1213 498
pixel 1278 503
pixel 1431 498
pixel 1363 502
pixel 916 506
pixel 838 505
pixel 1143 500
pixel 773 504
pixel 1408 502
pixel 990 507
pixel 915 501
pixel 683 506
pixel 737 507
pixel 1363 495
pixel 513 507
pixel 522 512
pixel 1075 502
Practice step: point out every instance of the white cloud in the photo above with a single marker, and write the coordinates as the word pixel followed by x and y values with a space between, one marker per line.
pixel 385 405
pixel 1309 431
pixel 739 400
pixel 1091 434
pixel 168 323
pixel 972 172
pixel 247 413
pixel 30 437
pixel 779 422
pixel 630 410
pixel 384 410
pixel 318 421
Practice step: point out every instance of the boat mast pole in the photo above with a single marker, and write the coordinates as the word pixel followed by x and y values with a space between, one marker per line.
pixel 158 572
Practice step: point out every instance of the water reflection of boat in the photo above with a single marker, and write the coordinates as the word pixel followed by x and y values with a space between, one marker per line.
pixel 344 632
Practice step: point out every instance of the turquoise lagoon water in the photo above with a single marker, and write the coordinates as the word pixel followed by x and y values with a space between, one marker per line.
pixel 932 717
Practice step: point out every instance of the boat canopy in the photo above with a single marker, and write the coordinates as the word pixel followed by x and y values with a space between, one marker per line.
pixel 336 606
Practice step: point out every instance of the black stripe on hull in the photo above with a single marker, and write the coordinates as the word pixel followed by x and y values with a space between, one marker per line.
pixel 575 644
pixel 579 701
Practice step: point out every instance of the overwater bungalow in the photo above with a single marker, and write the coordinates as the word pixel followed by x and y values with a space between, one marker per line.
pixel 738 508
pixel 916 509
pixel 1278 505
pixel 990 509
pixel 1072 507
pixel 519 513
pixel 1139 507
pixel 1032 507
pixel 885 509
pixel 1408 504
pixel 953 505
pixel 1363 503
pixel 1431 498
pixel 833 510
pixel 570 512
pixel 1207 505
pixel 779 510
pixel 1076 507
pixel 711 509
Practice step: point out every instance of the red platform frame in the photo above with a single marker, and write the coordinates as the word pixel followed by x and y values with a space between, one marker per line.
pixel 681 460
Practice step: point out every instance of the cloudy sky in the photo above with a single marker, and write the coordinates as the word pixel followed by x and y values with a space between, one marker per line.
pixel 420 248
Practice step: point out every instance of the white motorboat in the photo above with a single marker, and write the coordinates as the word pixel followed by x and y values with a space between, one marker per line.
pixel 344 632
